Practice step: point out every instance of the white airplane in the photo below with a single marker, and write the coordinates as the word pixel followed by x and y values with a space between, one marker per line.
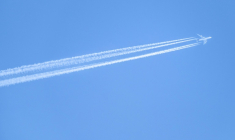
pixel 204 39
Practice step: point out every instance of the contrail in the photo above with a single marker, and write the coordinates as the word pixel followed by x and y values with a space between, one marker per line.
pixel 28 78
pixel 90 57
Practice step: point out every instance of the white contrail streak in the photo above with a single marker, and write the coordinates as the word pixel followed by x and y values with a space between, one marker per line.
pixel 90 57
pixel 28 78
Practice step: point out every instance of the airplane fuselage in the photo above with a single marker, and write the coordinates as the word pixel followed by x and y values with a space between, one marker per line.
pixel 205 38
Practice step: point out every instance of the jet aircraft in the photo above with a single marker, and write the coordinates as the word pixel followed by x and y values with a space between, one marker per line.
pixel 204 39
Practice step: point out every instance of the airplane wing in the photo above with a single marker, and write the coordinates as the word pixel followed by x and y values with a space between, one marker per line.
pixel 200 36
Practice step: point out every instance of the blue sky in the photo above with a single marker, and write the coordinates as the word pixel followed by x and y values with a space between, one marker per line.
pixel 187 94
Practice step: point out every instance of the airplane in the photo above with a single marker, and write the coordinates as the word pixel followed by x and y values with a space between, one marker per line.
pixel 204 39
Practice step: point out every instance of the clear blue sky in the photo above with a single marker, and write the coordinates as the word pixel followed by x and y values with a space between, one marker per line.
pixel 183 95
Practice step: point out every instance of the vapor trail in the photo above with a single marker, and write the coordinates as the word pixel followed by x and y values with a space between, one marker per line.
pixel 90 57
pixel 75 69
